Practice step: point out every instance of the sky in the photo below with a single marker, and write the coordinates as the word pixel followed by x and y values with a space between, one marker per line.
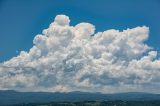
pixel 21 20
pixel 100 45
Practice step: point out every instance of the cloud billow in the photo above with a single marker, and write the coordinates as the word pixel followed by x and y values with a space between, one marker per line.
pixel 75 58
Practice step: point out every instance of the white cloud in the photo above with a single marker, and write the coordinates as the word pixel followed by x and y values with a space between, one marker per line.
pixel 69 58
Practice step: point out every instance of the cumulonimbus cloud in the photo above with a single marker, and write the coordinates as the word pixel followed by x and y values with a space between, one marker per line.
pixel 75 58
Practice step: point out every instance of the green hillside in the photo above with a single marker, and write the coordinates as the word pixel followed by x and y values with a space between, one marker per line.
pixel 97 103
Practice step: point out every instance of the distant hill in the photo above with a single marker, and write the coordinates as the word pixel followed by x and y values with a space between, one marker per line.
pixel 8 97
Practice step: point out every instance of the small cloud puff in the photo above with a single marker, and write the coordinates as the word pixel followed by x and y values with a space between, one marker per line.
pixel 62 20
pixel 75 58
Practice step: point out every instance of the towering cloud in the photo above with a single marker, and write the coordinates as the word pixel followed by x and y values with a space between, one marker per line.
pixel 71 58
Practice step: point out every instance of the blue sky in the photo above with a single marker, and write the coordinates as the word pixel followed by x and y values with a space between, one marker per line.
pixel 71 56
pixel 21 20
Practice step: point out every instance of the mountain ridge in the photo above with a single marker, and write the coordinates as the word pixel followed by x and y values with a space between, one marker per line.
pixel 9 97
